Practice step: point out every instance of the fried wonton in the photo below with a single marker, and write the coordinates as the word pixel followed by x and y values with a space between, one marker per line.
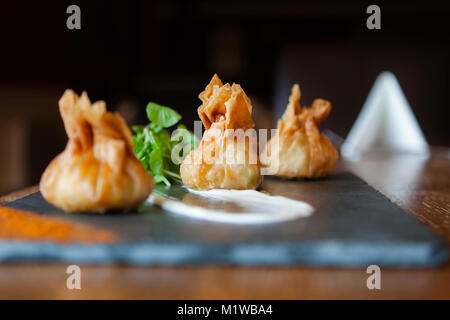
pixel 98 170
pixel 227 156
pixel 299 150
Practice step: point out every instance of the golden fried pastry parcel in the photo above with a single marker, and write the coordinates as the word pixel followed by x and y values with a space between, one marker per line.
pixel 97 170
pixel 299 150
pixel 227 156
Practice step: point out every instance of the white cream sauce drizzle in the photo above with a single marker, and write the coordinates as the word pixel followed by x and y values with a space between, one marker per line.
pixel 259 207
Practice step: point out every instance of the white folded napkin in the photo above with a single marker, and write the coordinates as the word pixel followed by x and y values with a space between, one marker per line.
pixel 385 122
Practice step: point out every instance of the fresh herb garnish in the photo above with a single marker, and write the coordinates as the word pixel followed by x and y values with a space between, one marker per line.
pixel 153 145
pixel 161 115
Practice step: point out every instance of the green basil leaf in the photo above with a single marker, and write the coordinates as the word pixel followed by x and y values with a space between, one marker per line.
pixel 161 115
pixel 156 162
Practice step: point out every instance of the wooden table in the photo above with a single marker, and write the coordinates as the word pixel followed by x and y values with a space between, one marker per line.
pixel 421 186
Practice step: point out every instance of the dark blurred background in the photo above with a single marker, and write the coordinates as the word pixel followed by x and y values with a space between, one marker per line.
pixel 129 53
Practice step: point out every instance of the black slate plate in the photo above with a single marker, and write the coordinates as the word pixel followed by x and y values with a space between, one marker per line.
pixel 353 225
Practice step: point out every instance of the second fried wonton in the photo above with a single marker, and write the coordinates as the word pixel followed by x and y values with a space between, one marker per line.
pixel 227 156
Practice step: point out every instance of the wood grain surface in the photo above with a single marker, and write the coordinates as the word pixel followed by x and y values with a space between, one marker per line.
pixel 419 185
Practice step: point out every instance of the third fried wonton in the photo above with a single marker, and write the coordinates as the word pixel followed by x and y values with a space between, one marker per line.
pixel 299 150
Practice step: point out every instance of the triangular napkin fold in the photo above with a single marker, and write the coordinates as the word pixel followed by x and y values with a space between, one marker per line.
pixel 385 122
